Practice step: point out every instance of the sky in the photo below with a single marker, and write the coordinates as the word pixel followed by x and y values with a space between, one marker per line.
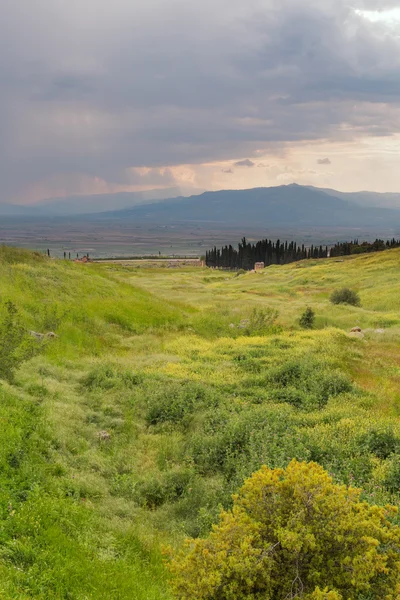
pixel 99 96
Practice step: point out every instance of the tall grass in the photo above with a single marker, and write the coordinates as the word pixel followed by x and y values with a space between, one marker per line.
pixel 163 391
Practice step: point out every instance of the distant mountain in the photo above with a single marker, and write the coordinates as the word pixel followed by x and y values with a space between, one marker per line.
pixel 376 199
pixel 97 203
pixel 18 210
pixel 287 205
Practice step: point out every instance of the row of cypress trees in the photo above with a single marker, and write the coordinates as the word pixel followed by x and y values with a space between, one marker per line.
pixel 266 251
pixel 355 247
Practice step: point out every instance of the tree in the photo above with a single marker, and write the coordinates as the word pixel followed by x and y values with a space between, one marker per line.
pixel 293 533
pixel 307 318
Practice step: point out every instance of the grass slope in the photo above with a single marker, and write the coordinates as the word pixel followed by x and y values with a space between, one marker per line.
pixel 191 404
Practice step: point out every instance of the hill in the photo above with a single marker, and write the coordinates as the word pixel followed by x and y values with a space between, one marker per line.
pixel 163 390
pixel 90 203
pixel 288 206
pixel 365 198
pixel 18 210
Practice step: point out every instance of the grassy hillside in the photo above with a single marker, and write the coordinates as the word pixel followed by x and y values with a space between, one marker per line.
pixel 164 390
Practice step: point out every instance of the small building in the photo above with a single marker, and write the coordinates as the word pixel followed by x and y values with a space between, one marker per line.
pixel 259 266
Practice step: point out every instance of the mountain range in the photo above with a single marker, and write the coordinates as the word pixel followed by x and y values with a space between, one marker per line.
pixel 287 205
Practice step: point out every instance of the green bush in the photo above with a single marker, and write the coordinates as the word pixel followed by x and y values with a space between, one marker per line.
pixel 315 383
pixel 392 477
pixel 167 487
pixel 381 443
pixel 289 395
pixel 289 533
pixel 345 296
pixel 307 319
pixel 262 321
pixel 170 401
pixel 107 377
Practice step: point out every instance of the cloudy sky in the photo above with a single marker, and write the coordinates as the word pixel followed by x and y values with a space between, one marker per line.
pixel 100 96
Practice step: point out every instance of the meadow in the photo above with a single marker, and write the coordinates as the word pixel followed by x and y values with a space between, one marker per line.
pixel 164 390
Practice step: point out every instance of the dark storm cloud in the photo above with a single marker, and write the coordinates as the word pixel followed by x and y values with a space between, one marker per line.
pixel 93 88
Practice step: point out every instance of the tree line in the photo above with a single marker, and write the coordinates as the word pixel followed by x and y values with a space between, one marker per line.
pixel 282 253
pixel 355 247
pixel 266 251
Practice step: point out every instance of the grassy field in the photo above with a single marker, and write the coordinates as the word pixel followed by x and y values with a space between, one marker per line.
pixel 163 391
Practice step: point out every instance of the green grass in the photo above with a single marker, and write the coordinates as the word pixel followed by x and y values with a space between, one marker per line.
pixel 194 395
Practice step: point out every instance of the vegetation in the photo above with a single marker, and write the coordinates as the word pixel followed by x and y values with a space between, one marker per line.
pixel 345 296
pixel 294 534
pixel 307 319
pixel 282 253
pixel 164 391
pixel 355 247
pixel 266 251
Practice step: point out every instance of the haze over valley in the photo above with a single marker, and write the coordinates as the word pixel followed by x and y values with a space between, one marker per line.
pixel 149 223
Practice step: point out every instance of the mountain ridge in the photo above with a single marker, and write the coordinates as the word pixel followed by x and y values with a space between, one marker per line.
pixel 280 205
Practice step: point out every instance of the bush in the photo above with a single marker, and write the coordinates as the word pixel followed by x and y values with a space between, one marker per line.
pixel 345 296
pixel 314 382
pixel 307 319
pixel 170 402
pixel 290 533
pixel 381 443
pixel 106 377
pixel 392 477
pixel 168 487
pixel 262 321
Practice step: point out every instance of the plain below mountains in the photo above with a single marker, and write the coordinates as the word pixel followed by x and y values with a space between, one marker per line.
pixel 289 206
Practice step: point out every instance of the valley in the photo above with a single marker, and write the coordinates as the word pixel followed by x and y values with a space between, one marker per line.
pixel 164 390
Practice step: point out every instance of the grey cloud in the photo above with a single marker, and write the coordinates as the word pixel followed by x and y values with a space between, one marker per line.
pixel 324 161
pixel 229 171
pixel 245 163
pixel 157 84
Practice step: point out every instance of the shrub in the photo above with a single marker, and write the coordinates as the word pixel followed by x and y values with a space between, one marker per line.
pixel 167 487
pixel 293 534
pixel 314 380
pixel 307 319
pixel 171 401
pixel 106 377
pixel 345 296
pixel 392 478
pixel 381 443
pixel 262 321
pixel 289 395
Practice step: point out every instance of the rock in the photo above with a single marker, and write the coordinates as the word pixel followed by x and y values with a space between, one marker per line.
pixel 244 323
pixel 35 334
pixel 357 334
pixel 356 330
pixel 104 436
pixel 41 336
